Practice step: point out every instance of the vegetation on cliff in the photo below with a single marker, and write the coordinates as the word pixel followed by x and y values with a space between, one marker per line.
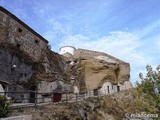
pixel 150 88
pixel 4 106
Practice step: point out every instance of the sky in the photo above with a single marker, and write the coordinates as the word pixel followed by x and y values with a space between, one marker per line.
pixel 126 29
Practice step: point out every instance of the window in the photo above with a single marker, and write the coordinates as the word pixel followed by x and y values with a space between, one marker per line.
pixel 20 30
pixel 68 62
pixel 18 45
pixel 95 92
pixel 75 61
pixel 25 75
pixel 36 41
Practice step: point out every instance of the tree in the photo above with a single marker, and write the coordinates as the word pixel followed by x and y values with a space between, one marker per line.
pixel 150 85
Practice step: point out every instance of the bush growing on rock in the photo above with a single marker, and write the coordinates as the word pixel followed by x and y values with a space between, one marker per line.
pixel 4 107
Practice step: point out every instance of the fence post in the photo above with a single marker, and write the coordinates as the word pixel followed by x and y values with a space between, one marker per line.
pixel 76 97
pixel 66 98
pixel 36 98
pixel 98 94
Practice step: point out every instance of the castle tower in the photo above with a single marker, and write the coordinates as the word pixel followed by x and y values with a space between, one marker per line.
pixel 67 49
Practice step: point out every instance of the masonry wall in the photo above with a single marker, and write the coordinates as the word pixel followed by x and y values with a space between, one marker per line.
pixel 3 27
pixel 20 49
pixel 90 53
pixel 46 89
pixel 109 88
pixel 14 33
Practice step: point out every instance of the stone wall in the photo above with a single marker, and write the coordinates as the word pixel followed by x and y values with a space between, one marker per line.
pixel 16 33
pixel 22 117
pixel 46 90
pixel 26 60
pixel 89 53
pixel 3 26
pixel 109 88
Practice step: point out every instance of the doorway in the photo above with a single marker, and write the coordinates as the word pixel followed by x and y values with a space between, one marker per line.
pixel 118 88
pixel 108 88
pixel 57 97
pixel 32 94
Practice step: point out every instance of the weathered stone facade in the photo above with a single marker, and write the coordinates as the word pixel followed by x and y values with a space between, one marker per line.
pixel 16 33
pixel 26 60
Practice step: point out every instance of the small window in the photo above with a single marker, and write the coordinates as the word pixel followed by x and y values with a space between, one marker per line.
pixel 25 75
pixel 36 41
pixel 20 30
pixel 18 45
pixel 75 61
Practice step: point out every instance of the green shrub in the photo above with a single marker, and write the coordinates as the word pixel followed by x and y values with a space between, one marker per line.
pixel 4 107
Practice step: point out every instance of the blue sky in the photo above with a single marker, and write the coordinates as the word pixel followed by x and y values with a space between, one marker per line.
pixel 126 29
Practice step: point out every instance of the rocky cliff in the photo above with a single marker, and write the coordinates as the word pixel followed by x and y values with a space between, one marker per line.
pixel 91 69
pixel 18 69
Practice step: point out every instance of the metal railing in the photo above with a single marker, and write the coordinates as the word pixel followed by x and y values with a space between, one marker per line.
pixel 32 98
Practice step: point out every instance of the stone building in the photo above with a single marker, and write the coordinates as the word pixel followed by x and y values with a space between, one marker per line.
pixel 16 33
pixel 26 62
pixel 96 71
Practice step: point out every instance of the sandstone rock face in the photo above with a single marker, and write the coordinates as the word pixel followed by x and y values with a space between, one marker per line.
pixel 96 73
pixel 93 69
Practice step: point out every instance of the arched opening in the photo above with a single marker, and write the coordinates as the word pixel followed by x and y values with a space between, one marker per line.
pixel 108 88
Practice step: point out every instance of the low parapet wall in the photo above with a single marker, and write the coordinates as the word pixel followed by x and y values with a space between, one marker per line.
pixel 22 117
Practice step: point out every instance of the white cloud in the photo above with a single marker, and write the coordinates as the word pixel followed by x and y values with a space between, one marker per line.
pixel 148 29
